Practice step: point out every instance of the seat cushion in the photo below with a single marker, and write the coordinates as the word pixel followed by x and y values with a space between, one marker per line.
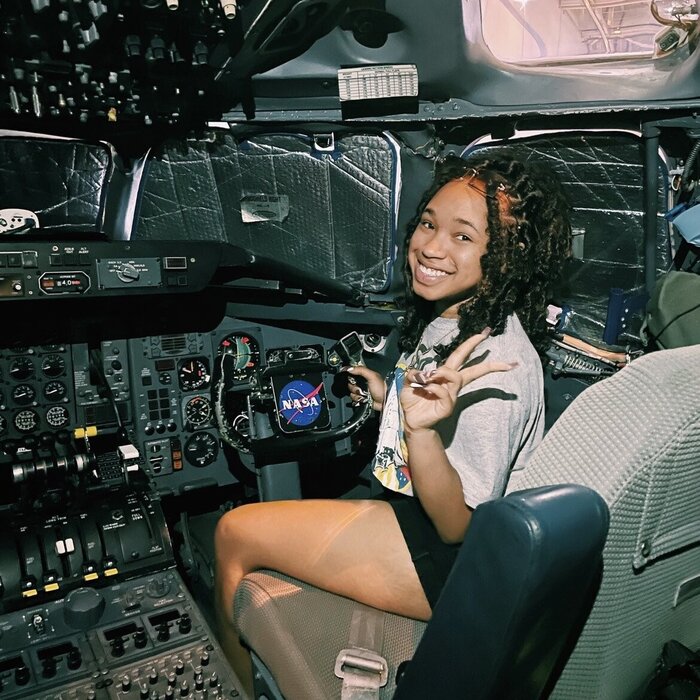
pixel 297 630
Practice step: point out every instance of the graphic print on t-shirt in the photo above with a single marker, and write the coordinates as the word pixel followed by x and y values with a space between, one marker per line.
pixel 390 465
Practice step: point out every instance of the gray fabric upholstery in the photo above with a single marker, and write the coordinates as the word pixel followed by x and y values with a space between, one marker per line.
pixel 634 438
pixel 298 630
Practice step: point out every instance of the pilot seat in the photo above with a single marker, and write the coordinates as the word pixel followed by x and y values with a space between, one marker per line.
pixel 635 440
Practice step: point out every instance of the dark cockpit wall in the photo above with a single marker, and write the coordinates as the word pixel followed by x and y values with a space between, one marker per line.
pixel 111 72
pixel 462 75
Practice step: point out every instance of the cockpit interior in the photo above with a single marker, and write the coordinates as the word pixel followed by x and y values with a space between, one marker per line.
pixel 203 209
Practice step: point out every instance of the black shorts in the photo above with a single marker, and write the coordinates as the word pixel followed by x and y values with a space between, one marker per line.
pixel 432 557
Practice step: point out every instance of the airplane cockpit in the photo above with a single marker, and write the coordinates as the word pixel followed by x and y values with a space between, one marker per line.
pixel 203 209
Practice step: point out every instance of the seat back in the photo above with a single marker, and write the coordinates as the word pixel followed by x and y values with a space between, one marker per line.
pixel 521 579
pixel 521 584
pixel 635 439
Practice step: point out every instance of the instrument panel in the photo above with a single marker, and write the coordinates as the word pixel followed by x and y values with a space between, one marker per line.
pixel 168 393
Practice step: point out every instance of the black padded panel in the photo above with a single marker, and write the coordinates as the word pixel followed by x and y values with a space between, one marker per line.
pixel 519 588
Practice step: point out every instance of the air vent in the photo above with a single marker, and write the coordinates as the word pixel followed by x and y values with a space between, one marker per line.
pixel 173 344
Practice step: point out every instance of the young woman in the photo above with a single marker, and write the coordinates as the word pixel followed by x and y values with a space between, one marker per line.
pixel 463 408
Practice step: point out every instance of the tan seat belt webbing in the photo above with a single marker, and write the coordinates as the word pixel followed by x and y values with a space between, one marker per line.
pixel 363 670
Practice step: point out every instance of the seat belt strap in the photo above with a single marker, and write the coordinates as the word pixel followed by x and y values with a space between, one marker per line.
pixel 363 670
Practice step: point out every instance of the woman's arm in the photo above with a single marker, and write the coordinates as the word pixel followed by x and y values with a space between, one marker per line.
pixel 427 399
pixel 437 484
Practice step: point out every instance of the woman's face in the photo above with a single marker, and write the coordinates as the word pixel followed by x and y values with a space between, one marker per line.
pixel 444 253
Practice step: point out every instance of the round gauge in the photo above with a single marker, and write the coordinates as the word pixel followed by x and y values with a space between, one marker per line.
pixel 198 411
pixel 245 353
pixel 3 425
pixel 23 394
pixel 26 421
pixel 193 374
pixel 57 416
pixel 201 449
pixel 55 391
pixel 53 365
pixel 21 368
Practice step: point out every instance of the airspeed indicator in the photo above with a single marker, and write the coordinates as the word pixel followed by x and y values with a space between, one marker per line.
pixel 193 373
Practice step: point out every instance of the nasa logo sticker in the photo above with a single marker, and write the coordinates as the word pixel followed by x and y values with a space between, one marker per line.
pixel 300 403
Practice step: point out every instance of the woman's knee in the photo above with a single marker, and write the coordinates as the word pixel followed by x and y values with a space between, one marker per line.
pixel 235 532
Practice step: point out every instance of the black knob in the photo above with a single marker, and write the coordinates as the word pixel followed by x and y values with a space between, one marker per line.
pixel 144 692
pixel 49 667
pixel 132 46
pixel 75 659
pixel 10 447
pixel 204 658
pixel 153 676
pixel 30 442
pixel 163 632
pixel 22 675
pixel 184 689
pixel 179 667
pixel 140 639
pixel 46 440
pixel 117 647
pixel 83 608
pixel 63 437
pixel 185 624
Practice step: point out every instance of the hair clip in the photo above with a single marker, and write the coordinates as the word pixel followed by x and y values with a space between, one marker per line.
pixel 472 174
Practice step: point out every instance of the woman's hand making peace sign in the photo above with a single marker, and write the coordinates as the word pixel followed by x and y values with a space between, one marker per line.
pixel 429 397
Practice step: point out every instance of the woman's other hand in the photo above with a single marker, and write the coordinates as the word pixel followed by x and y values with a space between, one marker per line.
pixel 373 383
pixel 429 397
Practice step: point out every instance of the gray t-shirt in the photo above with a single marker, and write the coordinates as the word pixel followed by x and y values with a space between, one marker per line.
pixel 497 423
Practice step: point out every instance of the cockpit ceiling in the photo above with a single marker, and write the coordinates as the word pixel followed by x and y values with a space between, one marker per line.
pixel 182 63
pixel 579 30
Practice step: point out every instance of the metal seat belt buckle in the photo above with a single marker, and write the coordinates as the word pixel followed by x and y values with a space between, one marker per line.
pixel 363 673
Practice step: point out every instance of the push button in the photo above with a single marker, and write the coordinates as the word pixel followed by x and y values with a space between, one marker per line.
pixel 14 260
pixel 55 259
pixel 30 259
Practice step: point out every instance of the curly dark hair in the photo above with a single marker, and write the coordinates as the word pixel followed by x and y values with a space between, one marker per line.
pixel 529 236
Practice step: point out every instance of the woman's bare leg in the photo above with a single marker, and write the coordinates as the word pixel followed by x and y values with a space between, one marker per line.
pixel 352 548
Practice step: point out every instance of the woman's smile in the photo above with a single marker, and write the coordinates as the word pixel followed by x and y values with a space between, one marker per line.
pixel 429 272
pixel 445 250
